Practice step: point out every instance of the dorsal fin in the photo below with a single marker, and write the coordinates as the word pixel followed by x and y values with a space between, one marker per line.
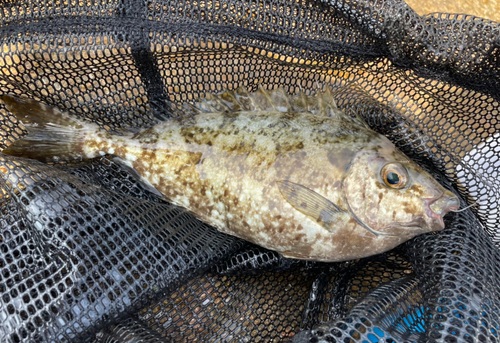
pixel 278 100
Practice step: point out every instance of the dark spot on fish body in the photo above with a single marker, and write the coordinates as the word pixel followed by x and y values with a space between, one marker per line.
pixel 341 159
pixel 203 190
pixel 314 175
pixel 192 159
pixel 380 197
pixel 408 207
pixel 241 166
pixel 230 117
pixel 148 136
pixel 103 145
pixel 147 156
pixel 320 140
pixel 299 146
pixel 298 162
pixel 121 152
pixel 299 237
pixel 416 190
pixel 336 185
pixel 321 132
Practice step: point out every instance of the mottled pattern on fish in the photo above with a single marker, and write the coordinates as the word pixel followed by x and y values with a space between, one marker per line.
pixel 226 168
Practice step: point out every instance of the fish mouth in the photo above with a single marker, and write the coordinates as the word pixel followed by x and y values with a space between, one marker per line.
pixel 436 208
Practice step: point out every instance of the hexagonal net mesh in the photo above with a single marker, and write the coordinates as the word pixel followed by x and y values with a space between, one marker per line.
pixel 88 254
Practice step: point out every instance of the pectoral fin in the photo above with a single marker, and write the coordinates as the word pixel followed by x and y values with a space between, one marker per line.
pixel 313 205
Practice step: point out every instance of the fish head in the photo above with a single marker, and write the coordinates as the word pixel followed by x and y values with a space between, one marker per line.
pixel 391 195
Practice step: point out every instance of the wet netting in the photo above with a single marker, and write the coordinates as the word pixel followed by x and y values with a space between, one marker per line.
pixel 88 254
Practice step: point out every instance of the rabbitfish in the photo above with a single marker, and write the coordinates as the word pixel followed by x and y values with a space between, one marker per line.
pixel 289 173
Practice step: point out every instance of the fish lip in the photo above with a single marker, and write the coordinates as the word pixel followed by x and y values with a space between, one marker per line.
pixel 430 213
pixel 438 216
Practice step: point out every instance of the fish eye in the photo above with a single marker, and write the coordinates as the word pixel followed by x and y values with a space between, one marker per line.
pixel 394 175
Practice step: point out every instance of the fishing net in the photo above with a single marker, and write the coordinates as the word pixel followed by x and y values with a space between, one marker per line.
pixel 88 254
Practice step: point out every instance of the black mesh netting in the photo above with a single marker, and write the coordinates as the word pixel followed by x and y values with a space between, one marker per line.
pixel 90 255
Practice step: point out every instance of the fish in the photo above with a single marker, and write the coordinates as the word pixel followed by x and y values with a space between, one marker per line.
pixel 290 173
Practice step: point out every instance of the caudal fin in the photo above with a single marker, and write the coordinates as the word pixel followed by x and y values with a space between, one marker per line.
pixel 52 134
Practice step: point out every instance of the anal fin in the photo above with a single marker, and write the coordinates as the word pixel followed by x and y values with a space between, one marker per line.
pixel 148 186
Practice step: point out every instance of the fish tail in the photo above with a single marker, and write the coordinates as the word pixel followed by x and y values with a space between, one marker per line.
pixel 52 134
